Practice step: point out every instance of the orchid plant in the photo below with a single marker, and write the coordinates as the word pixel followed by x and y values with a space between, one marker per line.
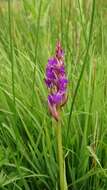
pixel 57 82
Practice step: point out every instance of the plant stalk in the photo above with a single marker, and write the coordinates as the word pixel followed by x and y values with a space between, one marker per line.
pixel 62 176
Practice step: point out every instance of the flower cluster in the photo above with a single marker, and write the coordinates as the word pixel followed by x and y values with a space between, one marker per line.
pixel 56 81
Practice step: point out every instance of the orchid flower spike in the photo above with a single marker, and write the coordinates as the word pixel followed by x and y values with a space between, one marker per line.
pixel 56 82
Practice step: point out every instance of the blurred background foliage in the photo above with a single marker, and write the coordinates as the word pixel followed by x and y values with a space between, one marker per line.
pixel 29 30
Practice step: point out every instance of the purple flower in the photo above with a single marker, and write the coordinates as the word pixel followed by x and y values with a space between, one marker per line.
pixel 62 84
pixel 50 73
pixel 52 61
pixel 55 98
pixel 56 81
pixel 59 51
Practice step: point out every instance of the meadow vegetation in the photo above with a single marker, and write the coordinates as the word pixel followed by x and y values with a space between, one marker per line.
pixel 29 30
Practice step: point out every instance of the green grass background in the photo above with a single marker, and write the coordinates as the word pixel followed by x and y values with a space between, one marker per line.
pixel 29 30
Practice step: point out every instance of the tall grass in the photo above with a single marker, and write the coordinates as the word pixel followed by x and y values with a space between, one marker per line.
pixel 28 34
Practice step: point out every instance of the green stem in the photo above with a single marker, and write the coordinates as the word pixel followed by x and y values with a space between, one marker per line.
pixel 36 50
pixel 62 22
pixel 82 70
pixel 62 176
pixel 11 49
